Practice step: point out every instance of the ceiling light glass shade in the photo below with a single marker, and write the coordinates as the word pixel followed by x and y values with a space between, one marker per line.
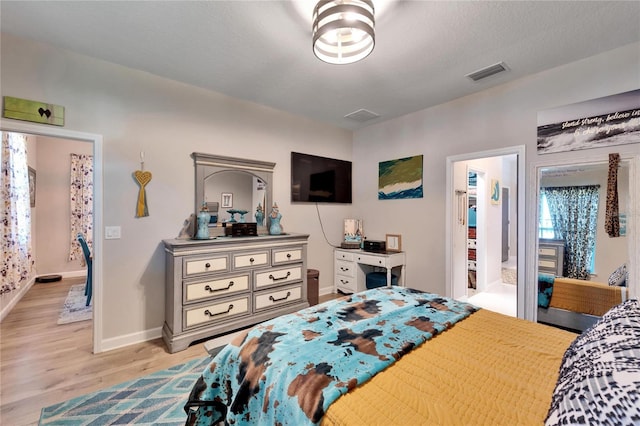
pixel 343 30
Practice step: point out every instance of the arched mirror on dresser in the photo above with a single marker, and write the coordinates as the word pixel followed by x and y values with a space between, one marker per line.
pixel 582 271
pixel 232 184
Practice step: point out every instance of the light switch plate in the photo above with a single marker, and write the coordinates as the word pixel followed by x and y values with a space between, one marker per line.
pixel 112 232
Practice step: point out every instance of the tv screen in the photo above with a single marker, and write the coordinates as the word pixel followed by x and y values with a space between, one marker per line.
pixel 320 179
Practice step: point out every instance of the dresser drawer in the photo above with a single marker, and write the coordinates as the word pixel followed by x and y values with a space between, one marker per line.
pixel 548 264
pixel 278 276
pixel 347 269
pixel 281 296
pixel 216 312
pixel 246 260
pixel 341 255
pixel 280 256
pixel 195 266
pixel 215 288
pixel 548 251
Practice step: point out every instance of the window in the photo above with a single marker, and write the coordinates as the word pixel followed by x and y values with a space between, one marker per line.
pixel 570 214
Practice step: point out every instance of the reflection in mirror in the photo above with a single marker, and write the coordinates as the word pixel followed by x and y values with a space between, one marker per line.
pixel 230 185
pixel 576 256
pixel 246 190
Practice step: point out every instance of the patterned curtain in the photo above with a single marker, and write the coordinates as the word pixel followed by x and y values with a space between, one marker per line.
pixel 81 199
pixel 574 215
pixel 17 263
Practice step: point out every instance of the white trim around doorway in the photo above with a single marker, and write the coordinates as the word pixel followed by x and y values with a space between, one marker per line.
pixel 523 291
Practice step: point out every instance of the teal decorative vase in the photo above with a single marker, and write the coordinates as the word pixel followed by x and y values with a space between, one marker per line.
pixel 259 215
pixel 203 223
pixel 275 228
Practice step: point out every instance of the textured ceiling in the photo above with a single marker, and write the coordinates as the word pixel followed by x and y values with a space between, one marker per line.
pixel 260 51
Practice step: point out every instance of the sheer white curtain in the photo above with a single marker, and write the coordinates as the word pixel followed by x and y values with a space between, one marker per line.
pixel 81 202
pixel 17 263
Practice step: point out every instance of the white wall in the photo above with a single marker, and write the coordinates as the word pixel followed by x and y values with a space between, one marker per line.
pixel 500 117
pixel 135 111
pixel 53 227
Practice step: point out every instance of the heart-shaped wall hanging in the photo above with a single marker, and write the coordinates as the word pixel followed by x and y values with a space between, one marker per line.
pixel 143 178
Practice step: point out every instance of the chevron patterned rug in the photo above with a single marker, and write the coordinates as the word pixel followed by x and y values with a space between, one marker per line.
pixel 156 399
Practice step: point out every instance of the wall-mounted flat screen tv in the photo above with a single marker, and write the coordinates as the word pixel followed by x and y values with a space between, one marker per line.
pixel 320 180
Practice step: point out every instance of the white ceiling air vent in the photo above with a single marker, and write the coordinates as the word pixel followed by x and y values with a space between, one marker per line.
pixel 362 115
pixel 488 71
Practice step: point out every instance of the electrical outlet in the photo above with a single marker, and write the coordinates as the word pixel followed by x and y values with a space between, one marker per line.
pixel 111 232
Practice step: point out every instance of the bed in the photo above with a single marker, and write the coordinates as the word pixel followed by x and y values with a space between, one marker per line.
pixel 576 304
pixel 440 362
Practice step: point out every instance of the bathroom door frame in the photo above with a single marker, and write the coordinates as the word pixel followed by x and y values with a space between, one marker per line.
pixel 451 206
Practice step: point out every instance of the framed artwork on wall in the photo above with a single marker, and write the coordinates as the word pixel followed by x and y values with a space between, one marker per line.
pixel 401 178
pixel 227 200
pixel 495 191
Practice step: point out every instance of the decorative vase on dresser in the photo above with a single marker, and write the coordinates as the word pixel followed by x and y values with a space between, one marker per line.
pixel 217 286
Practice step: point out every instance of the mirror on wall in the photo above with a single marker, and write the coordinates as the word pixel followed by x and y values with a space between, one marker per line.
pixel 578 256
pixel 607 253
pixel 231 186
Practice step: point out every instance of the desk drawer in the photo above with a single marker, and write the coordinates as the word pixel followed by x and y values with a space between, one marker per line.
pixel 368 259
pixel 216 312
pixel 347 269
pixel 286 256
pixel 346 284
pixel 344 256
pixel 215 288
pixel 278 276
pixel 195 266
pixel 250 259
pixel 281 296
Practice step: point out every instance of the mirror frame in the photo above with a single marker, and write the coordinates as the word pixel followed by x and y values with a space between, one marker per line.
pixel 207 164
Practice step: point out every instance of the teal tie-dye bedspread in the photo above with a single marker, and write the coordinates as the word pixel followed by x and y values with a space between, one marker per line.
pixel 289 370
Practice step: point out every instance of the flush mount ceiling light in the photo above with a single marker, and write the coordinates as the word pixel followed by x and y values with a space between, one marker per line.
pixel 343 30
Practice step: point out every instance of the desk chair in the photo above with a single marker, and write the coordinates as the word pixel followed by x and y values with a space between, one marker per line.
pixel 89 261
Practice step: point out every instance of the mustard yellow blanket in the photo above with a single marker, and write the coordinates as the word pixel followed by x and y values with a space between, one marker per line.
pixel 488 369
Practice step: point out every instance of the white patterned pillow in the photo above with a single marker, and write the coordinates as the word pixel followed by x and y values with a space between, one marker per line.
pixel 599 380
pixel 619 276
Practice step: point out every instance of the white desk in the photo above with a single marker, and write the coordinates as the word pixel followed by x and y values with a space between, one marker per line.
pixel 352 266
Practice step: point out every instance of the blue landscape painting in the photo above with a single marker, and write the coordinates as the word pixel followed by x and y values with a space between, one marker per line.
pixel 400 178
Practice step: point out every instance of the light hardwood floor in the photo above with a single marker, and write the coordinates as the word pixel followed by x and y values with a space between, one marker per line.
pixel 43 363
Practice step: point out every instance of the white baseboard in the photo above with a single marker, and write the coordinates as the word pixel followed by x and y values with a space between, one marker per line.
pixel 13 298
pixel 130 339
pixel 69 274
pixel 325 290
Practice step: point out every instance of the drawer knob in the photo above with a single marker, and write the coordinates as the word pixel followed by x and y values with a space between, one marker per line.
pixel 207 265
pixel 251 260
pixel 273 299
pixel 343 269
pixel 208 313
pixel 271 277
pixel 213 290
pixel 288 255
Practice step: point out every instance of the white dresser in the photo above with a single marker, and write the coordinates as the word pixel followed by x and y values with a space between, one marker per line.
pixel 216 286
pixel 351 267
